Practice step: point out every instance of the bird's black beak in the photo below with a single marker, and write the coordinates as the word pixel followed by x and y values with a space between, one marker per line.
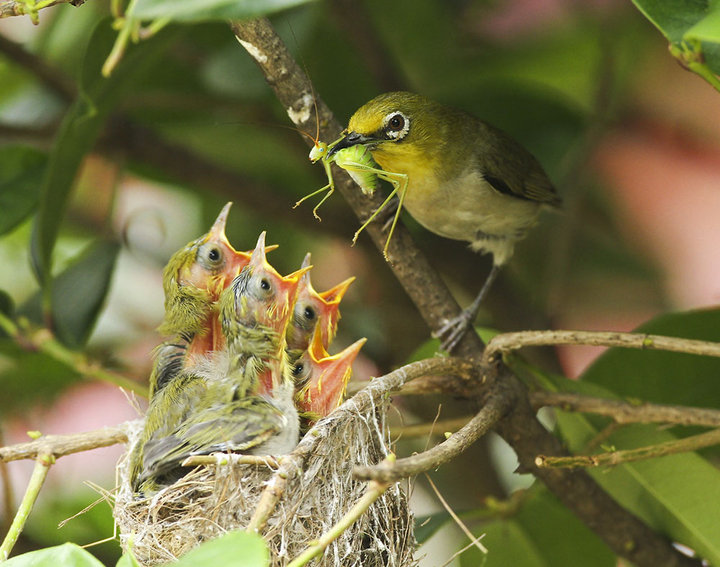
pixel 349 140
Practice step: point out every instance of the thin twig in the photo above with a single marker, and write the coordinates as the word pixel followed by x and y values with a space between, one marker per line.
pixel 626 412
pixel 371 395
pixel 493 410
pixel 233 459
pixel 507 342
pixel 374 491
pixel 61 445
pixel 613 458
pixel 48 75
pixel 473 540
pixel 437 428
pixel 44 341
pixel 43 462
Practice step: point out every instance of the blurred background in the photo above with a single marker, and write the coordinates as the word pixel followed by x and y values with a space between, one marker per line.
pixel 631 139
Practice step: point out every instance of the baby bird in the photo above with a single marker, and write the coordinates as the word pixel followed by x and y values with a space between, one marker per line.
pixel 193 279
pixel 311 310
pixel 321 379
pixel 241 397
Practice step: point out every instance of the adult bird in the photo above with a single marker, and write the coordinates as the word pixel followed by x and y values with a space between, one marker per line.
pixel 457 175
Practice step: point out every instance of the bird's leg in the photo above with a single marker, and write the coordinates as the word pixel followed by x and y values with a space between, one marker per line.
pixel 454 329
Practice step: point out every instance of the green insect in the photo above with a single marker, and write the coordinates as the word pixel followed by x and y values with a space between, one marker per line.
pixel 360 165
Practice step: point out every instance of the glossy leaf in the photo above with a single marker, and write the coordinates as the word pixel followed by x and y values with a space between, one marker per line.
pixel 78 294
pixel 687 21
pixel 234 549
pixel 21 173
pixel 665 377
pixel 204 10
pixel 541 533
pixel 675 494
pixel 67 555
pixel 81 127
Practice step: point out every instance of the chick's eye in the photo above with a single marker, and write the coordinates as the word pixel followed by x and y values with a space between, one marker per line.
pixel 298 368
pixel 264 285
pixel 210 256
pixel 309 313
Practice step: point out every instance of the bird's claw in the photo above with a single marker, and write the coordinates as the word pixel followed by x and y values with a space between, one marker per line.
pixel 453 330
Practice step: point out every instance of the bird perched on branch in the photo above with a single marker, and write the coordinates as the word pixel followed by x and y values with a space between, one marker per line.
pixel 241 397
pixel 458 176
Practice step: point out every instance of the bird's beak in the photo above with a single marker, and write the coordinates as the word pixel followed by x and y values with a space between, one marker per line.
pixel 326 391
pixel 217 232
pixel 335 294
pixel 348 141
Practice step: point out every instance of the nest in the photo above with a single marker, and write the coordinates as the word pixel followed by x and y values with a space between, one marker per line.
pixel 307 493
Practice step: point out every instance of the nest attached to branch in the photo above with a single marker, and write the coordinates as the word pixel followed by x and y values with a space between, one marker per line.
pixel 307 493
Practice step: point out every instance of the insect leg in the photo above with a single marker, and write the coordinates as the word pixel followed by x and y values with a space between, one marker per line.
pixel 400 182
pixel 330 187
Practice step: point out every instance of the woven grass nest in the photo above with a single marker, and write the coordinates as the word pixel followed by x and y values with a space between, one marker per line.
pixel 308 491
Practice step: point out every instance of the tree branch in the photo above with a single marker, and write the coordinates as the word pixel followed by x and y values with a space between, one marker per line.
pixel 44 341
pixel 61 445
pixel 294 91
pixel 621 530
pixel 43 462
pixel 507 342
pixel 493 410
pixel 53 79
pixel 693 443
pixel 626 412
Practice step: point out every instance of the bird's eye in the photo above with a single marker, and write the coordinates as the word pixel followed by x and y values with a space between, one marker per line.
pixel 264 284
pixel 309 313
pixel 210 256
pixel 397 125
pixel 298 368
pixel 396 122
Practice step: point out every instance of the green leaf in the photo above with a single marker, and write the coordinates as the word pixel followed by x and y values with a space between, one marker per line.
pixel 427 526
pixel 81 127
pixel 127 560
pixel 27 377
pixel 7 307
pixel 234 549
pixel 204 10
pixel 665 377
pixel 542 533
pixel 685 22
pixel 21 172
pixel 78 294
pixel 675 494
pixel 66 555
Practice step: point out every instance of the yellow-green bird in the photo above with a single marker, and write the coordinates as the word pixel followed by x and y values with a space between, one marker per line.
pixel 241 397
pixel 193 279
pixel 321 379
pixel 313 309
pixel 459 177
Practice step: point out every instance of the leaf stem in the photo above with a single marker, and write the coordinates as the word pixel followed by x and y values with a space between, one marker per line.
pixel 42 466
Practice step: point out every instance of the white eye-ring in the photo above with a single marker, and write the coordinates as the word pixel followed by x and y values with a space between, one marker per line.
pixel 396 125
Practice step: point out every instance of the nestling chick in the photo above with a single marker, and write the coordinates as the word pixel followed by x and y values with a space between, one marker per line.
pixel 321 379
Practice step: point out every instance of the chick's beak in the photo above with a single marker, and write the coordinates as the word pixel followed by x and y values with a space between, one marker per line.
pixel 348 141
